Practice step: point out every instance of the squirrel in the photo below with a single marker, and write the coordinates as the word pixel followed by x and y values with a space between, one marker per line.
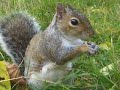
pixel 46 55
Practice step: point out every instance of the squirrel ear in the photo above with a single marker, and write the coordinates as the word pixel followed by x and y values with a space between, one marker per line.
pixel 69 9
pixel 69 6
pixel 60 10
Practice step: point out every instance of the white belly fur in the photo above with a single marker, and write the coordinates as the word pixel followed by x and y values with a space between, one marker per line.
pixel 49 73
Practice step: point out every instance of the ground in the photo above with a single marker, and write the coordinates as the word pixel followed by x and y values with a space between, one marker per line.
pixel 104 16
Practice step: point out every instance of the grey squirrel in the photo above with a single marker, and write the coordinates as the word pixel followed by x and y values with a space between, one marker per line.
pixel 46 56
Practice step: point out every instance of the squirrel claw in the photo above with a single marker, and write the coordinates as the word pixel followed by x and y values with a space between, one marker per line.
pixel 93 48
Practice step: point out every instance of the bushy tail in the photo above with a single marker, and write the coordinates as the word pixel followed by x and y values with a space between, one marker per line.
pixel 16 31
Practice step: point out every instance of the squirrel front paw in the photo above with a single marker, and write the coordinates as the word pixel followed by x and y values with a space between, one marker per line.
pixel 93 48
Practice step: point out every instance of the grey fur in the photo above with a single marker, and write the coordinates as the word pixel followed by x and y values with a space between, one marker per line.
pixel 51 50
pixel 46 57
pixel 16 31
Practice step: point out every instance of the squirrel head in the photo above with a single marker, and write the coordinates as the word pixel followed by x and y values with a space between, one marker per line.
pixel 72 22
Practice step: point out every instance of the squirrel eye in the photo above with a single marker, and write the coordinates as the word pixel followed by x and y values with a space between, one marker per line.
pixel 74 21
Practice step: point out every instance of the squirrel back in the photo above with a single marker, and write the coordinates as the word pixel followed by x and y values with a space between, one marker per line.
pixel 16 31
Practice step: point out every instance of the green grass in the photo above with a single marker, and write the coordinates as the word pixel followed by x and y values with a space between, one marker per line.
pixel 104 16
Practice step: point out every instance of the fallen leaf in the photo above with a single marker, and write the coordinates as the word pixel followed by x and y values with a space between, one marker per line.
pixel 105 46
pixel 4 77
